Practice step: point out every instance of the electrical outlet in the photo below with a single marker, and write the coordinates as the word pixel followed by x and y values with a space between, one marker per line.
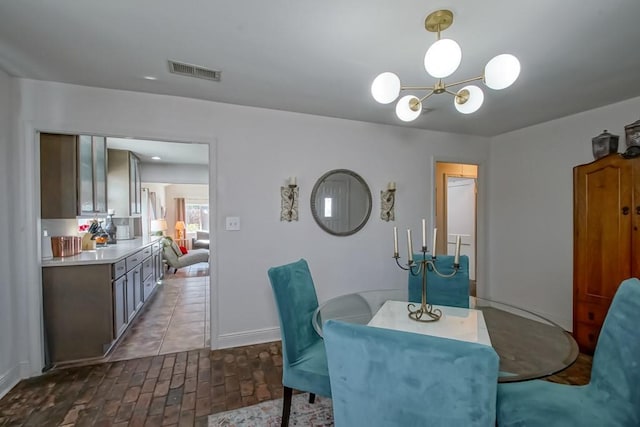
pixel 233 223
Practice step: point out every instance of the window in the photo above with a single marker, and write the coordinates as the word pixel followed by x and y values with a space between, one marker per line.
pixel 327 207
pixel 197 216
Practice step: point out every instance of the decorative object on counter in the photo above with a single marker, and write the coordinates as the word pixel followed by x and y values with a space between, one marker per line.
pixel 289 205
pixel 111 228
pixel 632 152
pixel 158 227
pixel 180 227
pixel 387 202
pixel 632 134
pixel 62 246
pixel 425 313
pixel 604 144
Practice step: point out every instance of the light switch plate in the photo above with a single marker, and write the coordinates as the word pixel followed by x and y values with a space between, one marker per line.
pixel 232 223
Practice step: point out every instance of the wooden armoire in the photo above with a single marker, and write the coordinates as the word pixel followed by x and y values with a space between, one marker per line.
pixel 606 244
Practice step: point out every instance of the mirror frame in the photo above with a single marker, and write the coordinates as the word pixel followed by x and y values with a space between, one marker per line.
pixel 314 211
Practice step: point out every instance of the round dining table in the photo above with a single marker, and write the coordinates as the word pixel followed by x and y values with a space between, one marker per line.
pixel 529 346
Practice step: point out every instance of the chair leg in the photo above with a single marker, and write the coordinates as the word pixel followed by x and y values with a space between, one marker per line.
pixel 312 397
pixel 286 406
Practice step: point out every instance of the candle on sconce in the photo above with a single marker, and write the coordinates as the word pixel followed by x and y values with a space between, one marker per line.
pixel 424 233
pixel 292 181
pixel 391 186
pixel 456 260
pixel 409 246
pixel 433 248
pixel 395 241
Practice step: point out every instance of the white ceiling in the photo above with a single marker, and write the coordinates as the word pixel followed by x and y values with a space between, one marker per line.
pixel 320 57
pixel 169 152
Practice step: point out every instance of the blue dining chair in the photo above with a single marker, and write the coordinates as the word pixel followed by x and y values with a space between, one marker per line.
pixel 304 361
pixel 612 397
pixel 383 377
pixel 453 291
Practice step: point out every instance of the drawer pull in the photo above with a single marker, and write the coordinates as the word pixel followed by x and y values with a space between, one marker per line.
pixel 590 316
pixel 637 210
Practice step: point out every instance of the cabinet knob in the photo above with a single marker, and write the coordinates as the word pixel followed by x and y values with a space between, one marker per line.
pixel 625 210
pixel 637 210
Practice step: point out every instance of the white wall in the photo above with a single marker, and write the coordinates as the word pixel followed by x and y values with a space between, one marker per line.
pixel 530 207
pixel 252 152
pixel 9 316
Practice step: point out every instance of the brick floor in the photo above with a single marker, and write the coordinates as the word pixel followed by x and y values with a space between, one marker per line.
pixel 179 389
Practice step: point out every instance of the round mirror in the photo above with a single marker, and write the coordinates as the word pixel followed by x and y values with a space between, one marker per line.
pixel 341 202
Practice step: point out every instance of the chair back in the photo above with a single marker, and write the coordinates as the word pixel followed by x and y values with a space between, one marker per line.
pixel 296 300
pixel 452 291
pixel 616 362
pixel 384 377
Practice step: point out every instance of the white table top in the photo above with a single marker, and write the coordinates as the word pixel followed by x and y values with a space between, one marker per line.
pixel 464 324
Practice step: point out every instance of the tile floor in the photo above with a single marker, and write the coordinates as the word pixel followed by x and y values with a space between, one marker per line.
pixel 176 318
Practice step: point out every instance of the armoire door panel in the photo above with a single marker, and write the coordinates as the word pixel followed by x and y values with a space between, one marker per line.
pixel 603 231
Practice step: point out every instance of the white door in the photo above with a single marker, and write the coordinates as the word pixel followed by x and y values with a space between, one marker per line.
pixel 461 218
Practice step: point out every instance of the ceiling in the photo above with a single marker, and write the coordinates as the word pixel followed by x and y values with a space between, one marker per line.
pixel 320 57
pixel 168 152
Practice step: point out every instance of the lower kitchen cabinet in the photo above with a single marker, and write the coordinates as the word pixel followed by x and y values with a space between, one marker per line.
pixel 88 307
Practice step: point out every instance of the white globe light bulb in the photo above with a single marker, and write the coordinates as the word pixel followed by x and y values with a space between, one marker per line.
pixel 469 99
pixel 442 58
pixel 501 71
pixel 385 88
pixel 408 108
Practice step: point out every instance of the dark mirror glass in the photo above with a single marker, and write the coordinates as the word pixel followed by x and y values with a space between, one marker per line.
pixel 341 202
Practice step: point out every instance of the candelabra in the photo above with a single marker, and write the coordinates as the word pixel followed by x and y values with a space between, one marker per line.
pixel 425 313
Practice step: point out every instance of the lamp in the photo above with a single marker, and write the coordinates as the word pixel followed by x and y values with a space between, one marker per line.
pixel 441 60
pixel 180 227
pixel 387 202
pixel 289 201
pixel 158 226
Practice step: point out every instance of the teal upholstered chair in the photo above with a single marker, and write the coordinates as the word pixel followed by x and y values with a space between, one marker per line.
pixel 612 397
pixel 383 377
pixel 453 291
pixel 304 361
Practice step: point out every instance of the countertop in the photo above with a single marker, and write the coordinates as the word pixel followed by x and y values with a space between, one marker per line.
pixel 105 255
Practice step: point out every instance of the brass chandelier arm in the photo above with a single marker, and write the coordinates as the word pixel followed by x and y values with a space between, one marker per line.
pixel 417 87
pixel 427 96
pixel 464 81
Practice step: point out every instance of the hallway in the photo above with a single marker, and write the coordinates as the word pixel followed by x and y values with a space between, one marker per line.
pixel 176 319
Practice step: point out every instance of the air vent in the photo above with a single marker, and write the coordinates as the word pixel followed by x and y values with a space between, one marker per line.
pixel 191 70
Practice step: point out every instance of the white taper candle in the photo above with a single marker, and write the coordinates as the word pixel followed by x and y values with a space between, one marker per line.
pixel 409 245
pixel 456 260
pixel 395 241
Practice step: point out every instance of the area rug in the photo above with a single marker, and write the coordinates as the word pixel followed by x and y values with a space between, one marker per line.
pixel 268 414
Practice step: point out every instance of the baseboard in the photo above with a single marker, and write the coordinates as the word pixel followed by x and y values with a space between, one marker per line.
pixel 238 339
pixel 8 380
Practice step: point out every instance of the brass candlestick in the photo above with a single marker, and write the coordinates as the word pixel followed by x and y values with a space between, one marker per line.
pixel 425 313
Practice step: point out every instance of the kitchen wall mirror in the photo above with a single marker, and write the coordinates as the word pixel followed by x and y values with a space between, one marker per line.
pixel 341 202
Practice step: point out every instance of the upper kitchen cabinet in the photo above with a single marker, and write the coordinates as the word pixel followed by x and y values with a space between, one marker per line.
pixel 73 175
pixel 123 175
pixel 92 174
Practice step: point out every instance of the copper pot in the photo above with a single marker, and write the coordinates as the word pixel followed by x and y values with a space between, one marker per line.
pixel 62 246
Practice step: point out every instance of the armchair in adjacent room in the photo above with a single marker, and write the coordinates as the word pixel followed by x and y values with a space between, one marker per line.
pixel 452 291
pixel 304 361
pixel 386 378
pixel 612 397
pixel 201 241
pixel 174 258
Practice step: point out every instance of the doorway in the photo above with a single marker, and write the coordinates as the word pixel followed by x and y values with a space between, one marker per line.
pixel 456 211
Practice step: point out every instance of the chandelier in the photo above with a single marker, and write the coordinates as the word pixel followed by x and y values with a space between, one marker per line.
pixel 441 60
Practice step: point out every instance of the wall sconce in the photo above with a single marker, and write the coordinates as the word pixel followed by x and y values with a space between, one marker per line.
pixel 289 195
pixel 387 202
